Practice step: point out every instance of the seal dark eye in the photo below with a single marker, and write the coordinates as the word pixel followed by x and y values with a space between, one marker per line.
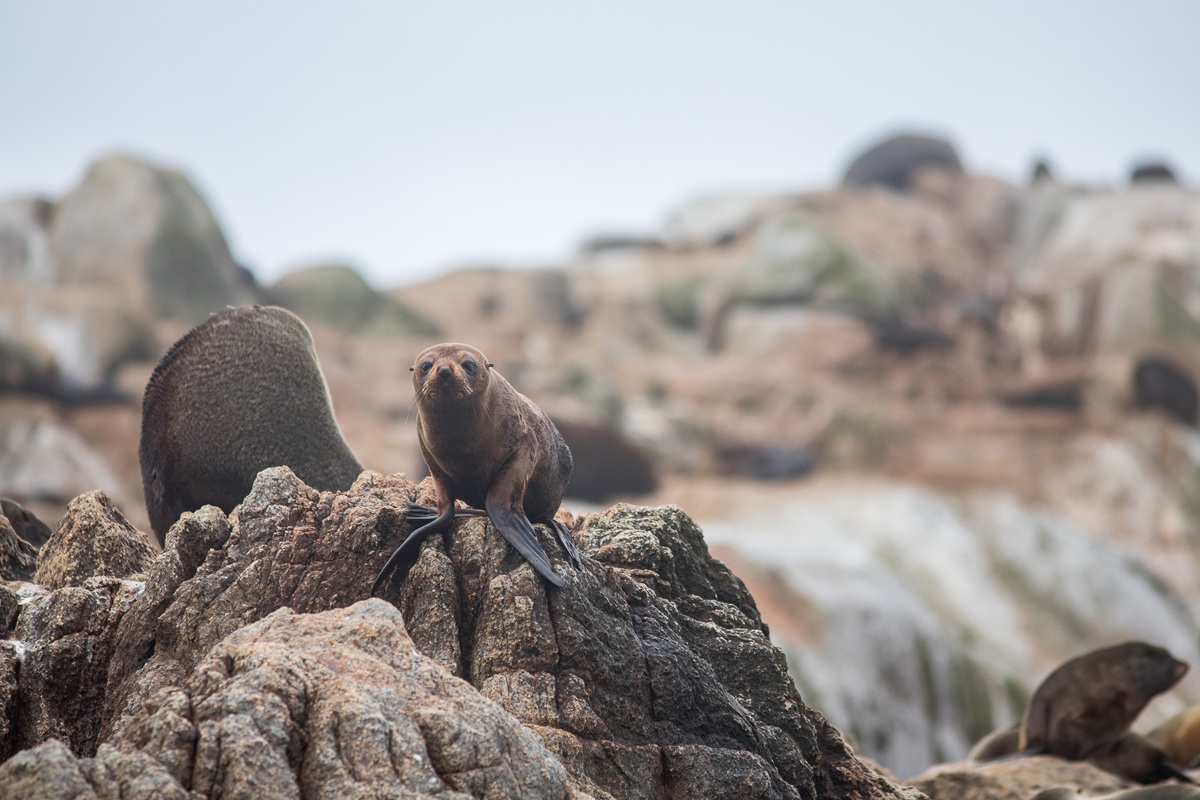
pixel 425 367
pixel 469 367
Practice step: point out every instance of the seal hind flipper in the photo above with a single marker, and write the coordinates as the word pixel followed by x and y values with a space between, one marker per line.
pixel 417 513
pixel 564 538
pixel 406 554
pixel 518 530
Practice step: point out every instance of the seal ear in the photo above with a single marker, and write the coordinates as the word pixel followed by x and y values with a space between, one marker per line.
pixel 490 366
pixel 412 369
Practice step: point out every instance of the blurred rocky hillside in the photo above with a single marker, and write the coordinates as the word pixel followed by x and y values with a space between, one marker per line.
pixel 942 425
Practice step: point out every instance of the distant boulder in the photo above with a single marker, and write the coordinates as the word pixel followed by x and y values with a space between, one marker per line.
pixel 147 232
pixel 607 465
pixel 718 220
pixel 87 278
pixel 895 162
pixel 336 295
pixel 1115 270
pixel 767 462
pixel 796 259
pixel 1041 172
pixel 1157 383
pixel 1152 172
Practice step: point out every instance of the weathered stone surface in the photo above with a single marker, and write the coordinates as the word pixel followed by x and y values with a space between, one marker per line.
pixel 93 538
pixel 339 704
pixel 48 770
pixel 1013 779
pixel 290 546
pixel 10 604
pixel 25 522
pixel 650 674
pixel 67 638
pixel 17 556
pixel 188 544
pixel 661 658
pixel 10 659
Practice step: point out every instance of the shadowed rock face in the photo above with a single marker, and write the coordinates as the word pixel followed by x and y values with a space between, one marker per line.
pixel 649 675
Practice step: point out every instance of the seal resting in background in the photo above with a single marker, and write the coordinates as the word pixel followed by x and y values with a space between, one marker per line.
pixel 239 393
pixel 1091 700
pixel 1166 791
pixel 1179 736
pixel 488 445
pixel 1136 758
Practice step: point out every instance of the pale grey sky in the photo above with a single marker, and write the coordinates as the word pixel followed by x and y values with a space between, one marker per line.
pixel 408 137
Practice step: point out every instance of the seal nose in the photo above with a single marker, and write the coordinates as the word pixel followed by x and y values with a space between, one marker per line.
pixel 444 372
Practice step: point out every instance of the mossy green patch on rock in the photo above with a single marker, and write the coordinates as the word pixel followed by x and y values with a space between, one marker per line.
pixel 798 260
pixel 335 294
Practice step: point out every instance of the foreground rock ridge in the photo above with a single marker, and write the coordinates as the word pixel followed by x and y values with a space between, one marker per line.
pixel 250 663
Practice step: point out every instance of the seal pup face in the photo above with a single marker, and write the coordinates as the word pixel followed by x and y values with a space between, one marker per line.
pixel 450 374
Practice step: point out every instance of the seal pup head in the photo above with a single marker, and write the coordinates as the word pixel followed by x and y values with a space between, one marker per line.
pixel 450 374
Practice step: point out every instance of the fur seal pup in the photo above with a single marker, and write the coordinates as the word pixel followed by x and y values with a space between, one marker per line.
pixel 239 393
pixel 1089 701
pixel 488 445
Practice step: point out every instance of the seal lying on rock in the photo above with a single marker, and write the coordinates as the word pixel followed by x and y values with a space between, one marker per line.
pixel 238 393
pixel 1179 736
pixel 1135 758
pixel 1091 700
pixel 1167 791
pixel 488 445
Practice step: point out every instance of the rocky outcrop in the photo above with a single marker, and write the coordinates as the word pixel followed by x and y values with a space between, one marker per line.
pixel 916 645
pixel 17 556
pixel 144 231
pixel 87 277
pixel 337 295
pixel 93 538
pixel 1013 779
pixel 252 663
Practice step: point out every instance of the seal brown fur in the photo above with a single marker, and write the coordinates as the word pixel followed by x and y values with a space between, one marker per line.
pixel 239 393
pixel 488 445
pixel 1135 758
pixel 997 744
pixel 1091 700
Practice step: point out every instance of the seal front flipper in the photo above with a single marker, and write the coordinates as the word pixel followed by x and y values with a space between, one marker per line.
pixel 518 530
pixel 564 538
pixel 408 551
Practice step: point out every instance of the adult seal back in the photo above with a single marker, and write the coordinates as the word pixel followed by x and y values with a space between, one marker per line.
pixel 488 445
pixel 239 393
